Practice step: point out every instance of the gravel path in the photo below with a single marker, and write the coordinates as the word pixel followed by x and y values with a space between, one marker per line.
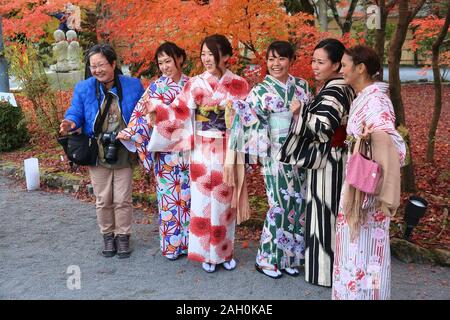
pixel 43 234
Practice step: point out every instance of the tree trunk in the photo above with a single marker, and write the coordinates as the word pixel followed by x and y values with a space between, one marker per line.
pixel 296 6
pixel 405 16
pixel 349 18
pixel 437 87
pixel 380 36
pixel 347 25
pixel 4 78
pixel 323 17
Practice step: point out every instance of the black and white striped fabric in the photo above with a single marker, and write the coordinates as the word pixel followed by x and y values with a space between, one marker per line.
pixel 309 141
pixel 309 145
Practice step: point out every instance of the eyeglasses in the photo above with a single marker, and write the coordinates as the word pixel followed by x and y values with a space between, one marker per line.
pixel 99 66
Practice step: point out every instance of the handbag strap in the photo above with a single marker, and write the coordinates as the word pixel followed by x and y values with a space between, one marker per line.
pixel 368 144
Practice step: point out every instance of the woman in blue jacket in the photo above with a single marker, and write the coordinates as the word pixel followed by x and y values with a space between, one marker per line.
pixel 114 97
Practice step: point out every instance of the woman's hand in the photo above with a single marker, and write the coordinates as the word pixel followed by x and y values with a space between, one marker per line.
pixel 123 136
pixel 66 126
pixel 296 106
pixel 366 130
pixel 150 107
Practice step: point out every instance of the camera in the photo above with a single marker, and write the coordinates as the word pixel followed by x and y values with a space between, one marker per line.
pixel 110 147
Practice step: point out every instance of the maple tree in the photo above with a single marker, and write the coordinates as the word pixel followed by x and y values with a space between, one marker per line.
pixel 429 34
pixel 407 13
pixel 29 18
pixel 136 28
pixel 250 25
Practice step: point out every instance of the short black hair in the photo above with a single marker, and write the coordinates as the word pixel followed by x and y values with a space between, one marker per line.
pixel 334 48
pixel 283 48
pixel 173 51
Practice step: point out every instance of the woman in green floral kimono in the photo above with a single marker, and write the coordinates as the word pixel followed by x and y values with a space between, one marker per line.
pixel 259 129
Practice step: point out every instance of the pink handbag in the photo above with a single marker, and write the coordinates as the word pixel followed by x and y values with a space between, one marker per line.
pixel 363 173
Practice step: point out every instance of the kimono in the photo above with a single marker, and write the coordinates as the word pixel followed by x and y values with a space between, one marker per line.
pixel 171 168
pixel 362 266
pixel 259 130
pixel 213 220
pixel 322 126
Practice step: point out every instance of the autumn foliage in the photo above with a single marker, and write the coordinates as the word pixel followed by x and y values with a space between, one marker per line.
pixel 138 27
pixel 425 32
pixel 30 17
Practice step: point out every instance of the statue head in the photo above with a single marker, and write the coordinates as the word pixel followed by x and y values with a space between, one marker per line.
pixel 59 35
pixel 71 35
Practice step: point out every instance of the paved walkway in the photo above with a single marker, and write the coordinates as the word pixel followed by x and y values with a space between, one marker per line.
pixel 43 234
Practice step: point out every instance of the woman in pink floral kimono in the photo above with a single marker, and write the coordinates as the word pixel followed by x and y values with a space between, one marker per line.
pixel 362 262
pixel 147 134
pixel 207 96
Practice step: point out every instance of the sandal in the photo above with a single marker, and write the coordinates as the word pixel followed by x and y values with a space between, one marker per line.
pixel 229 265
pixel 209 267
pixel 171 257
pixel 293 272
pixel 270 273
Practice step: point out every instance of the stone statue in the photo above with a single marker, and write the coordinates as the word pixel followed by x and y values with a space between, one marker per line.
pixel 73 51
pixel 60 52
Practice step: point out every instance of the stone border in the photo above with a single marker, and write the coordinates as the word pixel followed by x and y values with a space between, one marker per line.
pixel 403 250
pixel 65 181
pixel 409 252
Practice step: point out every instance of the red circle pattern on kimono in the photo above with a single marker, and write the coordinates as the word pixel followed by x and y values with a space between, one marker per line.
pixel 223 193
pixel 197 170
pixel 200 226
pixel 225 250
pixel 218 234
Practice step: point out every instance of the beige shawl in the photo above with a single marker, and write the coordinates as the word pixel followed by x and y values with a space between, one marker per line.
pixel 387 196
pixel 234 176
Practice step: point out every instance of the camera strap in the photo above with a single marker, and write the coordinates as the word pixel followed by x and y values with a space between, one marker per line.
pixel 99 124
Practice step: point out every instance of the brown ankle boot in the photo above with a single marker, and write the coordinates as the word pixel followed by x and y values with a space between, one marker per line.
pixel 123 245
pixel 109 245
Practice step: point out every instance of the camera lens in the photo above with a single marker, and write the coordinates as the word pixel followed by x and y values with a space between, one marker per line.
pixel 110 147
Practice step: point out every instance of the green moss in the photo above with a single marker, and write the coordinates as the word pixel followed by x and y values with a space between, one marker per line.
pixel 259 206
pixel 145 198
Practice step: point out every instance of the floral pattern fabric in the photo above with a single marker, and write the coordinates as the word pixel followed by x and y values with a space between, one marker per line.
pixel 212 226
pixel 362 267
pixel 171 169
pixel 260 129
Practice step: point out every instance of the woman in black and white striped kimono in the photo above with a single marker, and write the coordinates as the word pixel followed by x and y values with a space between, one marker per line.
pixel 316 142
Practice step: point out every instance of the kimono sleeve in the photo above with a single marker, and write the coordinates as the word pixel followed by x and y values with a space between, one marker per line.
pixel 250 130
pixel 380 113
pixel 320 118
pixel 139 132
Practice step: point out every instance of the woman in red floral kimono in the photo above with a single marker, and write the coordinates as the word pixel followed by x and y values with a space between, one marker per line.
pixel 206 96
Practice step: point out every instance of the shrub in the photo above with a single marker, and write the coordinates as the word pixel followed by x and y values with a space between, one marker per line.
pixel 28 69
pixel 13 129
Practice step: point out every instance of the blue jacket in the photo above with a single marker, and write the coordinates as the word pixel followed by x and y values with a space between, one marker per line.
pixel 84 108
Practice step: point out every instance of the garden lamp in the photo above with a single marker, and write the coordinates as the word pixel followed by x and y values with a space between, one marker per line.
pixel 415 209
